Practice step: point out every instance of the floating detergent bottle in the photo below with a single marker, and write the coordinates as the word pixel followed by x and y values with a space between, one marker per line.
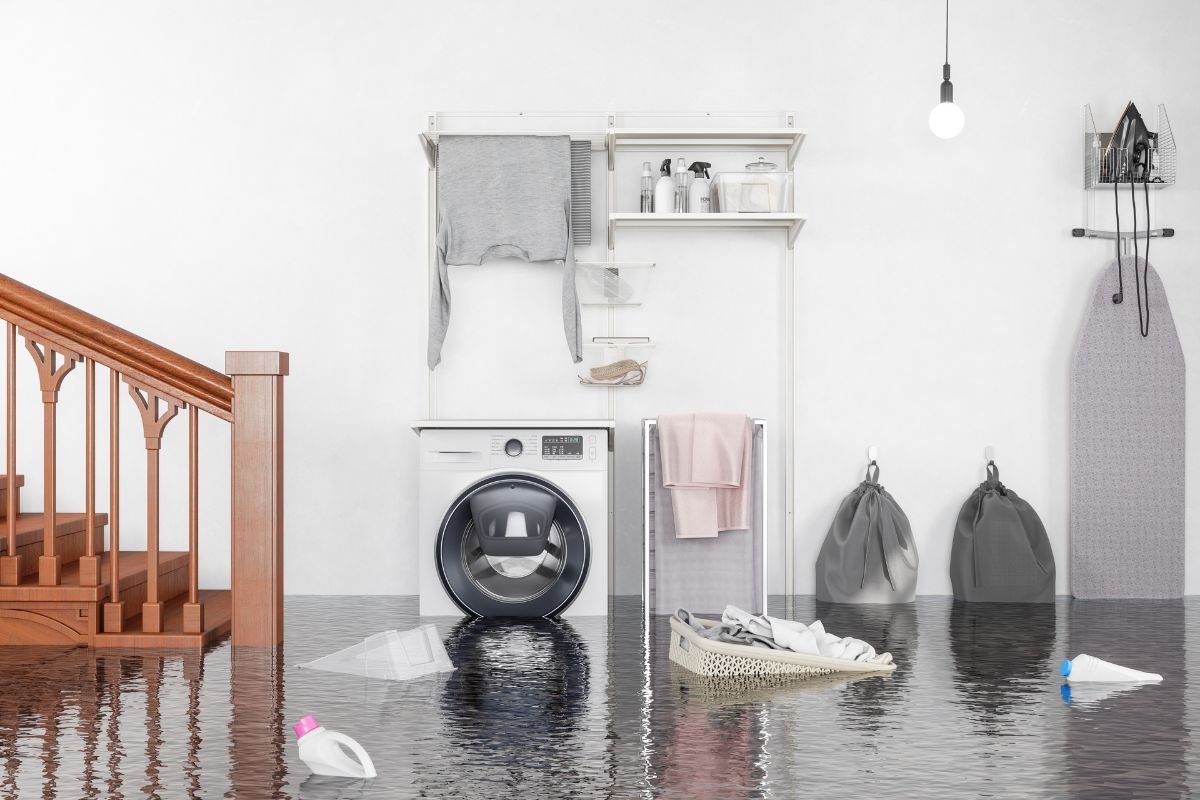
pixel 322 751
pixel 700 193
pixel 664 189
pixel 1084 668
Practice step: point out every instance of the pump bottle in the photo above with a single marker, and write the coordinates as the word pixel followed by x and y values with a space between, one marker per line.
pixel 664 189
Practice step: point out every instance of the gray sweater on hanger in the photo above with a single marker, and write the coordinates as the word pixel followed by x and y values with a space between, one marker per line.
pixel 503 197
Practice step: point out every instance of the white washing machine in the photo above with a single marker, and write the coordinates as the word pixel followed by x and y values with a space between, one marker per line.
pixel 515 517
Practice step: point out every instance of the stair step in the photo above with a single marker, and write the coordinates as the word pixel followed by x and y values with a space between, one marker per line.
pixel 218 618
pixel 18 483
pixel 69 537
pixel 172 581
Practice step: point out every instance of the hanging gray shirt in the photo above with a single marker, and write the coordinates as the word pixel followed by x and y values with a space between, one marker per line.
pixel 503 197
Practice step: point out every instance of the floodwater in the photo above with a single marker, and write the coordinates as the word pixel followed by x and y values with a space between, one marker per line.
pixel 580 709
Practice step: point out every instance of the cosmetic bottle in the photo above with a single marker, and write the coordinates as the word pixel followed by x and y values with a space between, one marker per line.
pixel 700 193
pixel 681 187
pixel 647 189
pixel 664 189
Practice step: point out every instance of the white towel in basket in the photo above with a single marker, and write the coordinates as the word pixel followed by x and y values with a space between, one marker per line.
pixel 812 639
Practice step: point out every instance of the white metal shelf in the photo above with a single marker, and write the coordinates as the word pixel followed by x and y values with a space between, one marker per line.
pixel 790 221
pixel 791 139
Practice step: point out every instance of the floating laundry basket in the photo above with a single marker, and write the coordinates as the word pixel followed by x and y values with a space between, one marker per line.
pixel 716 659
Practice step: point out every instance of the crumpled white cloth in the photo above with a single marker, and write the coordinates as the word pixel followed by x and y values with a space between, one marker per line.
pixel 810 639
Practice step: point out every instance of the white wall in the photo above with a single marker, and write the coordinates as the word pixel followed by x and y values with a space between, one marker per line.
pixel 231 175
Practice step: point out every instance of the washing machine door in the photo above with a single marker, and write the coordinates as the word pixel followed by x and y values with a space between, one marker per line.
pixel 513 545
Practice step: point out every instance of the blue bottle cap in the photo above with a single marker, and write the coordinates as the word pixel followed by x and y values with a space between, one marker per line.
pixel 1066 669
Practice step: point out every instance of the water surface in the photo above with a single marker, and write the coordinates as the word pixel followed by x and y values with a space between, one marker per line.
pixel 581 709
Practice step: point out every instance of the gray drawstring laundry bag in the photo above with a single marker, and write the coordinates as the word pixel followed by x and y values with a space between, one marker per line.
pixel 869 555
pixel 1001 553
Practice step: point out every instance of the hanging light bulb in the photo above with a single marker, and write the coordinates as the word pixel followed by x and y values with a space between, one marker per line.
pixel 946 119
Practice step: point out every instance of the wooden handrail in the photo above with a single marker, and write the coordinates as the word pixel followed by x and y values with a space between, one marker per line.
pixel 117 348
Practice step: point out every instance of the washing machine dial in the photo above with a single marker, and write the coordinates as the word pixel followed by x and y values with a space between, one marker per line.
pixel 513 447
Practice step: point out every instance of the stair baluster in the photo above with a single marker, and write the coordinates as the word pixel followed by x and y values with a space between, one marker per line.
pixel 154 421
pixel 114 609
pixel 53 362
pixel 10 564
pixel 193 612
pixel 89 562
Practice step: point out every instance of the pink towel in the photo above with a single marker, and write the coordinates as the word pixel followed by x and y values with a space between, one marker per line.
pixel 705 461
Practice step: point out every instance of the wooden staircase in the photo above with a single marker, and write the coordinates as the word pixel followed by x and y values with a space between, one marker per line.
pixel 71 612
pixel 60 581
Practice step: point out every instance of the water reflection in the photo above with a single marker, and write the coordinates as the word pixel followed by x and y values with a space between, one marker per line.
pixel 1129 744
pixel 1002 659
pixel 890 629
pixel 582 709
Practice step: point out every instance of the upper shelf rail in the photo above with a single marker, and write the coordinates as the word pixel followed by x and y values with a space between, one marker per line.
pixel 116 348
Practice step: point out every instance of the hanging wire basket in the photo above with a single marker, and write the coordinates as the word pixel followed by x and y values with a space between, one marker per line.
pixel 1104 165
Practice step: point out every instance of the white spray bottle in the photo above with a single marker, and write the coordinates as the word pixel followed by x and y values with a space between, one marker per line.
pixel 322 751
pixel 664 190
pixel 1084 669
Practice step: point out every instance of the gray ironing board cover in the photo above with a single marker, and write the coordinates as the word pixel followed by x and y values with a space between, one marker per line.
pixel 1127 447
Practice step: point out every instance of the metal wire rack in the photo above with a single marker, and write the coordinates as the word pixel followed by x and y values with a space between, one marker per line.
pixel 1104 165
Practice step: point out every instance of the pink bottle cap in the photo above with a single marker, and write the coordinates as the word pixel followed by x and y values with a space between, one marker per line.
pixel 305 725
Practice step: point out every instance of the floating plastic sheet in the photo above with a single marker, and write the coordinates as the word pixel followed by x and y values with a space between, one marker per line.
pixel 391 655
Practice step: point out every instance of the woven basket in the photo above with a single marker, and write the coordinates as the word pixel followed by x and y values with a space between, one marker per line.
pixel 716 659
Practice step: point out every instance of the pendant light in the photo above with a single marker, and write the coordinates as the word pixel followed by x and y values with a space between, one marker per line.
pixel 946 120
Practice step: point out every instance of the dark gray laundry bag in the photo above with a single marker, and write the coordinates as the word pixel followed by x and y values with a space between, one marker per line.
pixel 869 555
pixel 1001 553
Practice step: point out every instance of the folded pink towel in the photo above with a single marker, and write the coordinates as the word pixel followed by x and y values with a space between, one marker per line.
pixel 706 466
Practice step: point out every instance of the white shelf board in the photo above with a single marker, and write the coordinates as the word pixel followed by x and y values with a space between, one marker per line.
pixel 792 139
pixel 790 221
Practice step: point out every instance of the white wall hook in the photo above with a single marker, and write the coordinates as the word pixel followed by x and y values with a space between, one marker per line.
pixel 989 453
pixel 872 453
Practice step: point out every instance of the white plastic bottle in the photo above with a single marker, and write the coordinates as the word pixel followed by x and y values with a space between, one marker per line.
pixel 700 193
pixel 1084 668
pixel 322 751
pixel 664 190
pixel 647 189
pixel 681 186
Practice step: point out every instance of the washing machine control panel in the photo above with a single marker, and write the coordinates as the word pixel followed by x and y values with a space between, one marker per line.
pixel 554 449
pixel 562 447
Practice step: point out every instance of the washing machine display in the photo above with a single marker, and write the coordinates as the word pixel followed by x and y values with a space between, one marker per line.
pixel 515 521
pixel 562 447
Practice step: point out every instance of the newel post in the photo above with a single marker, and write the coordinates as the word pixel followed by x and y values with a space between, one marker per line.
pixel 257 495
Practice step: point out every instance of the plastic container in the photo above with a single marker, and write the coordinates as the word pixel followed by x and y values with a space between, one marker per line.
pixel 761 189
pixel 1084 669
pixel 615 361
pixel 322 750
pixel 612 283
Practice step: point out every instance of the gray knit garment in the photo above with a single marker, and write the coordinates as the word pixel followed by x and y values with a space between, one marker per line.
pixel 1127 447
pixel 503 197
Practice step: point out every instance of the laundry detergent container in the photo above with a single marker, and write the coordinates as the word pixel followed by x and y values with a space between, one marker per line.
pixel 762 188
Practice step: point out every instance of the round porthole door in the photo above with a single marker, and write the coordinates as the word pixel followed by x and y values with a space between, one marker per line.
pixel 513 545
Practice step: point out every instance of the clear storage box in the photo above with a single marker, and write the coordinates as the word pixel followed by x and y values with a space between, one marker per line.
pixel 762 188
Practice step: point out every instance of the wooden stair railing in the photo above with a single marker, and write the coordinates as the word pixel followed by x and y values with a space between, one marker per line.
pixel 161 383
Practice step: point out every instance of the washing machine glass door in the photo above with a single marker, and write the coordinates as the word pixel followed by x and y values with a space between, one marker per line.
pixel 513 545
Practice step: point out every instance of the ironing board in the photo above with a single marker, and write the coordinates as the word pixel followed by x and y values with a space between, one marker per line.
pixel 1127 446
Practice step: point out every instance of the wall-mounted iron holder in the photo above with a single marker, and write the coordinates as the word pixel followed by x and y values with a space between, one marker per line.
pixel 1104 166
pixel 1124 238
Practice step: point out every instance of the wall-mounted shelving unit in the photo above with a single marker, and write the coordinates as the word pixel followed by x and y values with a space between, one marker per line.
pixel 615 134
pixel 790 221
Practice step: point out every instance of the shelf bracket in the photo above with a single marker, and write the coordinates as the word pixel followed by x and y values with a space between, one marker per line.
pixel 793 232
